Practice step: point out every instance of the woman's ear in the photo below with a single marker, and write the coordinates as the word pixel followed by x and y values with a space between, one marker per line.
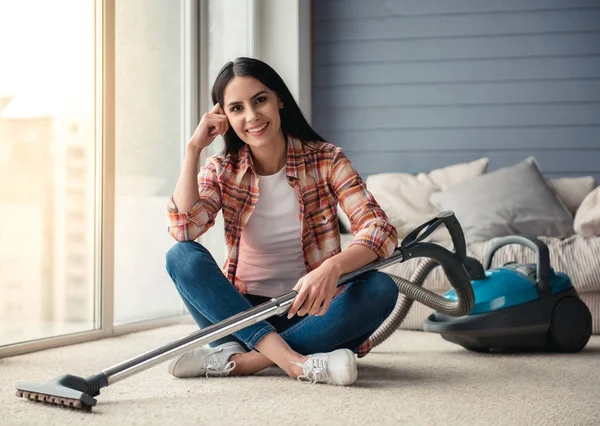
pixel 280 103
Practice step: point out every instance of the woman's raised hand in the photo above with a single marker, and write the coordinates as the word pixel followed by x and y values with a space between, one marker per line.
pixel 212 124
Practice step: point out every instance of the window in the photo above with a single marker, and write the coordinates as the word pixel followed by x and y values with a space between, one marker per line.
pixel 46 87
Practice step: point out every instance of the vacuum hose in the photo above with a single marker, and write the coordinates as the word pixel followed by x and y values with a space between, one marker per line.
pixel 404 303
pixel 412 289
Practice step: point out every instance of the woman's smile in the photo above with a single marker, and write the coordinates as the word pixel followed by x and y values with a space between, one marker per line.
pixel 258 131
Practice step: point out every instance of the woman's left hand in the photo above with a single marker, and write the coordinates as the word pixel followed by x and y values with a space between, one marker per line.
pixel 315 291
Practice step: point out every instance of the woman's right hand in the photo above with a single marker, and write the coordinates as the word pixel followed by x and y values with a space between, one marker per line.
pixel 241 286
pixel 212 124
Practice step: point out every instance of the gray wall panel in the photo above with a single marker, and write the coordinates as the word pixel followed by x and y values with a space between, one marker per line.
pixel 458 116
pixel 462 139
pixel 412 85
pixel 469 93
pixel 554 162
pixel 403 27
pixel 507 46
pixel 343 9
pixel 480 70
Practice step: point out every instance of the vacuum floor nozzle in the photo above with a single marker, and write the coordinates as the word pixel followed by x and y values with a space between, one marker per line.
pixel 67 391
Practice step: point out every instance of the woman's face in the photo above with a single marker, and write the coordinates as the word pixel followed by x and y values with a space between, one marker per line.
pixel 253 111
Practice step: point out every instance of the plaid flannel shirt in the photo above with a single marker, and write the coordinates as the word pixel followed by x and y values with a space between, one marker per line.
pixel 321 176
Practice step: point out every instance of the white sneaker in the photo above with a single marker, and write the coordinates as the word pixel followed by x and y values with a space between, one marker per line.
pixel 206 361
pixel 335 368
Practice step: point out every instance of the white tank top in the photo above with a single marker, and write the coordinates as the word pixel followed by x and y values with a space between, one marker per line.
pixel 271 261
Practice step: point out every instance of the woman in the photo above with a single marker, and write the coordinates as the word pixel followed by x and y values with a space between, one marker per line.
pixel 278 184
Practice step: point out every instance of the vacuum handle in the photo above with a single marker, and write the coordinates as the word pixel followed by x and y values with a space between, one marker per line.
pixel 538 246
pixel 448 218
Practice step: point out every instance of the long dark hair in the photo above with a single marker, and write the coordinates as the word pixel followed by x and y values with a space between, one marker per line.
pixel 293 122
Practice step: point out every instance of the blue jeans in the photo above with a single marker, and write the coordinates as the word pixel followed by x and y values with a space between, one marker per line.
pixel 352 317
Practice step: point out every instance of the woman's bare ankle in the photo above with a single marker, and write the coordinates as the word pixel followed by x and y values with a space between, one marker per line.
pixel 249 363
pixel 238 370
pixel 296 366
pixel 273 346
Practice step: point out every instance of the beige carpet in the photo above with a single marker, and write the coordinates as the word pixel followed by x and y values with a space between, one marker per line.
pixel 412 378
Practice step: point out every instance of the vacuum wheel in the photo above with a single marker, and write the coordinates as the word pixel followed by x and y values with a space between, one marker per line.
pixel 571 325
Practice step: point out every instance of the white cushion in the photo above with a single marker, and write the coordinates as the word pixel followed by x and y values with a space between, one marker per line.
pixel 587 219
pixel 572 190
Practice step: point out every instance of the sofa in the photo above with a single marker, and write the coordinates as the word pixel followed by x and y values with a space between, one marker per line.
pixel 517 200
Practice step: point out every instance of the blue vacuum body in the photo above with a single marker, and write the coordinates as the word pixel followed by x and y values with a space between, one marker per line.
pixel 519 307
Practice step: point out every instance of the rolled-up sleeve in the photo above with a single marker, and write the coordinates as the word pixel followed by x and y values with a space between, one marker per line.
pixel 369 223
pixel 189 225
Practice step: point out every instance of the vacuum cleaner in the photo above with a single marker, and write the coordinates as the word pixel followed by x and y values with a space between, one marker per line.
pixel 78 392
pixel 519 307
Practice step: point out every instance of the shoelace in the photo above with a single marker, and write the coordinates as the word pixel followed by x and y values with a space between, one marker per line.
pixel 212 371
pixel 317 372
pixel 213 368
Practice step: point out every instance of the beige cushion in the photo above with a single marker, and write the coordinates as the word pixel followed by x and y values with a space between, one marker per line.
pixel 405 197
pixel 572 190
pixel 587 219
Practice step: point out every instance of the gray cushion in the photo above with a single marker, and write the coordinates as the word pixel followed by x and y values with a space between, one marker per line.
pixel 509 201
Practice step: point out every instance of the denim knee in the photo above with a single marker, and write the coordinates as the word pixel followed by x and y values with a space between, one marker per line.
pixel 187 257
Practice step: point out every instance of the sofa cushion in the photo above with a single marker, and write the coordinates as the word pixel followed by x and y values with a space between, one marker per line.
pixel 512 200
pixel 587 219
pixel 572 190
